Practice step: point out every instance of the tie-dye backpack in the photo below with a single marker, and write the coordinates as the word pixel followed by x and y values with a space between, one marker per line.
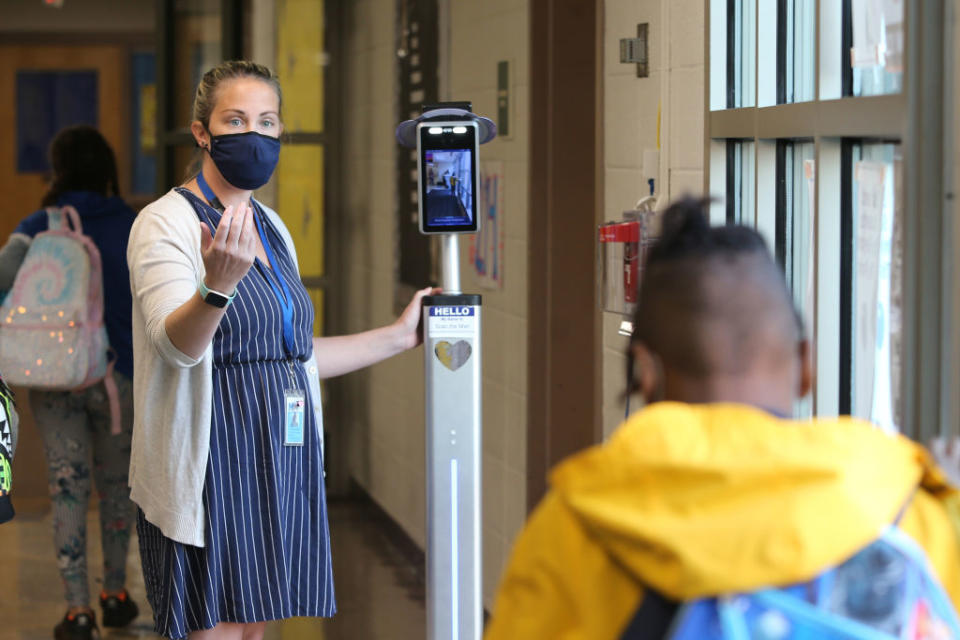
pixel 52 334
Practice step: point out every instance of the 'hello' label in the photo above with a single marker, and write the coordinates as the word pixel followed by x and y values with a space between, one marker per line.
pixel 456 312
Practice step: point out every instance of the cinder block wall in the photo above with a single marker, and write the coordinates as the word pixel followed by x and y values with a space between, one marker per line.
pixel 675 90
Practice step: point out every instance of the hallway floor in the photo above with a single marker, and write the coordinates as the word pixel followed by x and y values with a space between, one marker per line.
pixel 380 592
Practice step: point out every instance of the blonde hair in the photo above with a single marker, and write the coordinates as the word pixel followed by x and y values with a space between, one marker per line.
pixel 205 99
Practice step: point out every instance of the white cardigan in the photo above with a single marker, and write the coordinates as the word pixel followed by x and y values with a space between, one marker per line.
pixel 172 392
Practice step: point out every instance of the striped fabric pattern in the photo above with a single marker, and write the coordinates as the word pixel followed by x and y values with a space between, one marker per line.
pixel 267 555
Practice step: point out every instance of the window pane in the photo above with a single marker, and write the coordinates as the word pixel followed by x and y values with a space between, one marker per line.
pixel 740 182
pixel 803 220
pixel 796 225
pixel 197 27
pixel 742 47
pixel 797 24
pixel 876 56
pixel 876 286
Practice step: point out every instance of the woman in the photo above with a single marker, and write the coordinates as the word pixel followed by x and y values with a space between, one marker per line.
pixel 227 464
pixel 75 426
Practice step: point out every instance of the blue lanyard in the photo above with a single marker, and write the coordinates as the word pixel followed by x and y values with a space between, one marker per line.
pixel 282 293
pixel 206 190
pixel 283 297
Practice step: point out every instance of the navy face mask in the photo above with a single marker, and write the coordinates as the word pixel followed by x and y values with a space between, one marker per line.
pixel 245 160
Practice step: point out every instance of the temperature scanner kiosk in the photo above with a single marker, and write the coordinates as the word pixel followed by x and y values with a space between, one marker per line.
pixel 446 137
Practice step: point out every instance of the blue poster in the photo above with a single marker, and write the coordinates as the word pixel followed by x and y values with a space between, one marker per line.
pixel 48 101
pixel 143 138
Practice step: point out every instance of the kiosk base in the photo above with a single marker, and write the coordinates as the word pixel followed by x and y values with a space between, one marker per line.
pixel 451 325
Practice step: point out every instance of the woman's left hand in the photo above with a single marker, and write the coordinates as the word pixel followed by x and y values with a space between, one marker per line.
pixel 337 355
pixel 408 324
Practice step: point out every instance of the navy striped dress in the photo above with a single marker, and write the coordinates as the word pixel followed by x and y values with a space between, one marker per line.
pixel 267 553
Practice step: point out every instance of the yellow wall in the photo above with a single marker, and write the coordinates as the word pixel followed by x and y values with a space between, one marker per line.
pixel 299 178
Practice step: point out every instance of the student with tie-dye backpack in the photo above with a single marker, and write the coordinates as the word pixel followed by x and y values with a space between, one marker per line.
pixel 82 440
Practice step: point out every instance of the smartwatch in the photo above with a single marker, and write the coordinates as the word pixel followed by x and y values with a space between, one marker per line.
pixel 215 298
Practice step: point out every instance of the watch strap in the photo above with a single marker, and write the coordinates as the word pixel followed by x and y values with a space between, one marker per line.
pixel 205 294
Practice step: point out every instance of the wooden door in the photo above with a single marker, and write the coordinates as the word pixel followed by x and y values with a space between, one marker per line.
pixel 21 192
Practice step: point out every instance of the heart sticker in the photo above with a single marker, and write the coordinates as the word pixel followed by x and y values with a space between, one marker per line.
pixel 453 356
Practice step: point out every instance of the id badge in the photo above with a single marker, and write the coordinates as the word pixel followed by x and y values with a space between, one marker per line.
pixel 294 414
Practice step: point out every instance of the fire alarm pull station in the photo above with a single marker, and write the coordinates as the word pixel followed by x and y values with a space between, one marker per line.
pixel 622 250
pixel 446 137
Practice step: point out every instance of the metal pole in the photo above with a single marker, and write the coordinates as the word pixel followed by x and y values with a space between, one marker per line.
pixel 452 362
pixel 450 263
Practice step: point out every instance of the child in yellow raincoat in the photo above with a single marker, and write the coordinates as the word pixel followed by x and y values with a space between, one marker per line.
pixel 710 490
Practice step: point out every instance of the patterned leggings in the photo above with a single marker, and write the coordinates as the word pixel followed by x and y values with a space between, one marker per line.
pixel 75 426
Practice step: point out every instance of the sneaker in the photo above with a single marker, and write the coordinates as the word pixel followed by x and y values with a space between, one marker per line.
pixel 77 626
pixel 118 610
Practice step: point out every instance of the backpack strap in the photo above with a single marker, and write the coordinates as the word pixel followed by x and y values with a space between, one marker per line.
pixel 653 618
pixel 54 218
pixel 56 215
pixel 113 398
pixel 113 393
pixel 654 615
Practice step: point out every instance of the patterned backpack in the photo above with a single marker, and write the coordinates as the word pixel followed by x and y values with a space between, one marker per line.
pixel 8 446
pixel 886 591
pixel 52 335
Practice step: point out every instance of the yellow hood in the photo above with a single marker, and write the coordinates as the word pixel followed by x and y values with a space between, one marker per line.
pixel 682 493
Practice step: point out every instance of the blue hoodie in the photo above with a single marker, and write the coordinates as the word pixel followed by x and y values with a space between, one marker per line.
pixel 107 222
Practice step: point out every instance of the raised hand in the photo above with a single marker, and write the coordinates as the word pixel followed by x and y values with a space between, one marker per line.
pixel 228 254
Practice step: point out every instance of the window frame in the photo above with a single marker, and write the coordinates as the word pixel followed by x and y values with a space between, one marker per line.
pixel 846 275
pixel 170 136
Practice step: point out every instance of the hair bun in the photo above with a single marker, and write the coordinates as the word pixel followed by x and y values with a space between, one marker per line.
pixel 685 225
pixel 686 232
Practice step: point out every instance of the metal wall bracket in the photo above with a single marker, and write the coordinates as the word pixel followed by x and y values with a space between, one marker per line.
pixel 635 50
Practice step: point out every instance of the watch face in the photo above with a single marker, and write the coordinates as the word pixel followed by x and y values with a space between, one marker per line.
pixel 216 300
